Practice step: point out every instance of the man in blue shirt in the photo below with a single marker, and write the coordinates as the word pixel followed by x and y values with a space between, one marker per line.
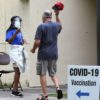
pixel 46 40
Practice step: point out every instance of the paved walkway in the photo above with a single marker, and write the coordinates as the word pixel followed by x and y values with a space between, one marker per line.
pixel 29 94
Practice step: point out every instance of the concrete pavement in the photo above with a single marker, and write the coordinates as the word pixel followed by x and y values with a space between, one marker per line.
pixel 29 94
pixel 6 95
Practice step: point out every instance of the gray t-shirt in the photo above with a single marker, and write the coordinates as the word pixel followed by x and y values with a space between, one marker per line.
pixel 48 34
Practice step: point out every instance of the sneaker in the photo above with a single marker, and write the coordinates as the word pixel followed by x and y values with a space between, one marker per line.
pixel 43 98
pixel 59 94
pixel 16 93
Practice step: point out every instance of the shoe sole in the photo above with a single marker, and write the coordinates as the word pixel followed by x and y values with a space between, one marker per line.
pixel 17 96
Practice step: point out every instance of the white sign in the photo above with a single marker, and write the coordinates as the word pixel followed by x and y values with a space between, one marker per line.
pixel 83 82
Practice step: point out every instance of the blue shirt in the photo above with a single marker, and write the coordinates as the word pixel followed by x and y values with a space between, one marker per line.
pixel 18 40
pixel 48 34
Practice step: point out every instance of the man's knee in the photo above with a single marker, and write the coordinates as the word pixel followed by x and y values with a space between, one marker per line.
pixel 52 75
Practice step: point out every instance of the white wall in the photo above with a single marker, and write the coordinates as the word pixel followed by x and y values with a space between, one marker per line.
pixel 77 41
pixel 9 8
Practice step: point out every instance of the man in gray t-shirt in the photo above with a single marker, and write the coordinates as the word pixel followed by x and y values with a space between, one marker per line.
pixel 46 40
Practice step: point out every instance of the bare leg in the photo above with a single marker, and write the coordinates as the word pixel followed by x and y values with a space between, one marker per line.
pixel 55 81
pixel 43 84
pixel 16 79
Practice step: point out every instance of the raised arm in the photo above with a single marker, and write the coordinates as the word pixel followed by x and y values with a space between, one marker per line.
pixel 57 16
pixel 13 37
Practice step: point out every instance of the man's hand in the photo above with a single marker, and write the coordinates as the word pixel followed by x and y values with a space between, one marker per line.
pixel 32 51
pixel 57 16
pixel 26 42
pixel 56 12
pixel 35 46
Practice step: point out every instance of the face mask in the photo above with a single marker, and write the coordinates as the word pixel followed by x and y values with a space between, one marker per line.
pixel 17 24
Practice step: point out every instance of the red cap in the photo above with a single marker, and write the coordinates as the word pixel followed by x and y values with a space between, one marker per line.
pixel 58 6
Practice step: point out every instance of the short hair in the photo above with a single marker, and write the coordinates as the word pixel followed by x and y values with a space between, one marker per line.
pixel 47 14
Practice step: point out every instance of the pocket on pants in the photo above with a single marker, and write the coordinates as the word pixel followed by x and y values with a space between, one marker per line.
pixel 39 68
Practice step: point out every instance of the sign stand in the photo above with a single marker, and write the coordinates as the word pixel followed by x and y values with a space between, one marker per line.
pixel 83 82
